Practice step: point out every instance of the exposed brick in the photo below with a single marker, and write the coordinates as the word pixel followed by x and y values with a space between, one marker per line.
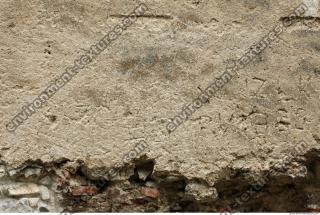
pixel 151 192
pixel 84 190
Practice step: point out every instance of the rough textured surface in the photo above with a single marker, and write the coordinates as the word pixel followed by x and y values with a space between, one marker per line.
pixel 59 159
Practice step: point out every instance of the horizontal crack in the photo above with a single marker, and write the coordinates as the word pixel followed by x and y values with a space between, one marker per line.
pixel 299 18
pixel 143 16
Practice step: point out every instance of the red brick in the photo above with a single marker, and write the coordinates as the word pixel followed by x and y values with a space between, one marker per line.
pixel 84 190
pixel 151 192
